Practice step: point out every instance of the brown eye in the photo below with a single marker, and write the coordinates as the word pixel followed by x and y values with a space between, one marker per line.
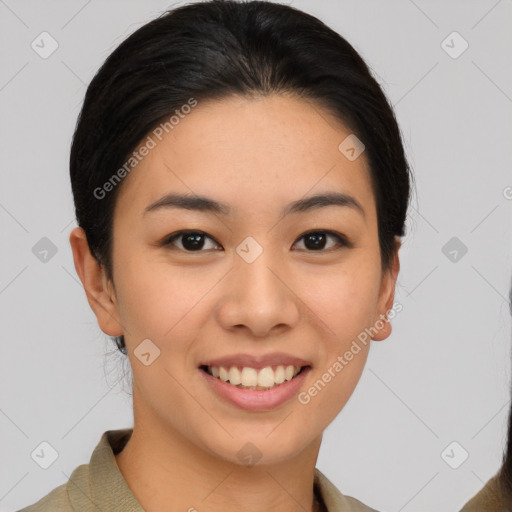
pixel 198 241
pixel 317 240
pixel 190 241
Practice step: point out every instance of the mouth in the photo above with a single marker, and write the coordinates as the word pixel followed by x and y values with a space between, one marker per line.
pixel 254 379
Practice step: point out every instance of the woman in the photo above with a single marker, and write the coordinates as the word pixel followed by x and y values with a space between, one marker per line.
pixel 496 495
pixel 241 188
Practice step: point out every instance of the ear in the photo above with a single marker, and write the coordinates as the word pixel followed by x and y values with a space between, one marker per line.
pixel 99 290
pixel 387 295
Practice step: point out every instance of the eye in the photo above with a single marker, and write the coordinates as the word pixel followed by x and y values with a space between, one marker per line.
pixel 316 240
pixel 195 241
pixel 191 241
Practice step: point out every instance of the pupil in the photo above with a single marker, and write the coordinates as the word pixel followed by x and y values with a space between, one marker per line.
pixel 318 241
pixel 195 240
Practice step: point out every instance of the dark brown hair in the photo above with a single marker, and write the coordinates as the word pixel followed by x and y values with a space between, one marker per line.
pixel 217 48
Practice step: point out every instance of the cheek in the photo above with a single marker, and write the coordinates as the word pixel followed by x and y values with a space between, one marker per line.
pixel 161 301
pixel 344 299
pixel 342 306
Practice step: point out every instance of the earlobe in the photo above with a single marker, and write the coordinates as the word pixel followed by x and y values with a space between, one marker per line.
pixel 96 286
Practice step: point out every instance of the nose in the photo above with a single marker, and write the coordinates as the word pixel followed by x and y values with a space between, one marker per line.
pixel 258 297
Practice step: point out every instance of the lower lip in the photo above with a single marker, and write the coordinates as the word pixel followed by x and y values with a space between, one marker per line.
pixel 254 400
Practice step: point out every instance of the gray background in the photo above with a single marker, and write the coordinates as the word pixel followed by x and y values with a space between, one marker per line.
pixel 442 376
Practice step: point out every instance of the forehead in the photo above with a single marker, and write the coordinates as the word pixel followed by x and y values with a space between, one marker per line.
pixel 249 152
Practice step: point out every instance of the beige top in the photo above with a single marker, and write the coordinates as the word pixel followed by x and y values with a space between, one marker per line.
pixel 488 499
pixel 100 485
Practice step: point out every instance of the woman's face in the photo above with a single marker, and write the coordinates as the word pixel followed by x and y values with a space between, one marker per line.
pixel 250 285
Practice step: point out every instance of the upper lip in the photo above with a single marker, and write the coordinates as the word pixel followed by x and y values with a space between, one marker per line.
pixel 257 362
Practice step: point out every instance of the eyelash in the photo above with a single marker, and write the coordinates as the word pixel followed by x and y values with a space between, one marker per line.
pixel 341 239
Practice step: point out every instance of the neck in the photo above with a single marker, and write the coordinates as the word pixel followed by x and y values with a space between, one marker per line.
pixel 163 467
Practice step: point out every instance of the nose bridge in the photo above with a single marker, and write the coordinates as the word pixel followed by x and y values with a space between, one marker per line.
pixel 260 298
pixel 253 268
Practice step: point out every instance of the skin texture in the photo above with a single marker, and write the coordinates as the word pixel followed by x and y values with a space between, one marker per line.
pixel 257 155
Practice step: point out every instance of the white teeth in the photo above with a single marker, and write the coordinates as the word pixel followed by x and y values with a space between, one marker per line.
pixel 234 376
pixel 279 375
pixel 223 374
pixel 249 376
pixel 266 378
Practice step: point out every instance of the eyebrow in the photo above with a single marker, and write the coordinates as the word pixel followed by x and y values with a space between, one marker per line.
pixel 205 204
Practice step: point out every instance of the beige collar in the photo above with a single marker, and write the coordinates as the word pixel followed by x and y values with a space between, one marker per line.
pixel 101 486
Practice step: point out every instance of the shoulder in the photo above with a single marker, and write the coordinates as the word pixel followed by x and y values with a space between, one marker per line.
pixel 64 497
pixel 98 485
pixel 357 506
pixel 334 500
pixel 70 496
pixel 488 499
pixel 57 499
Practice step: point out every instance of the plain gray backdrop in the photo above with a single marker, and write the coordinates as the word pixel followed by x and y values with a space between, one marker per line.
pixel 434 393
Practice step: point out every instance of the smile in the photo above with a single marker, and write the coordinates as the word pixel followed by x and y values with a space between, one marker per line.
pixel 241 385
pixel 245 377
